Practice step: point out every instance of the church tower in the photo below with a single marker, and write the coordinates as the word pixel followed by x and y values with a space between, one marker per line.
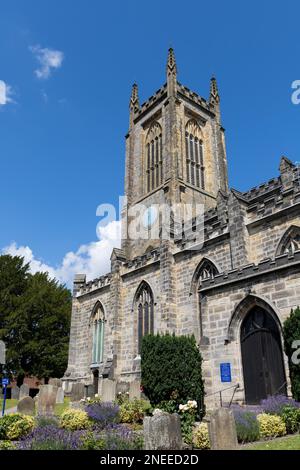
pixel 175 153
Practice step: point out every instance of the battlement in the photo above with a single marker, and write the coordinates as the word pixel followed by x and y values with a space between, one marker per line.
pixel 95 284
pixel 252 270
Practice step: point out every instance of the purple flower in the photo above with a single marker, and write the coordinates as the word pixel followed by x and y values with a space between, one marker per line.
pixel 275 404
pixel 119 437
pixel 103 414
pixel 52 438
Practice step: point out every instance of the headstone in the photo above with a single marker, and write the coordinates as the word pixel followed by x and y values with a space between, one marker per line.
pixel 122 387
pixel 60 396
pixel 24 391
pixel 134 390
pixel 55 382
pixel 77 391
pixel 47 399
pixel 108 390
pixel 26 406
pixel 15 392
pixel 222 430
pixel 90 391
pixel 162 432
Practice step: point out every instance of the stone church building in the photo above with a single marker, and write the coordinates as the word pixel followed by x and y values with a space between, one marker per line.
pixel 233 291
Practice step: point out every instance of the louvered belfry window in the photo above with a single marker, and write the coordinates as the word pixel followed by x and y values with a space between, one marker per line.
pixel 154 167
pixel 194 155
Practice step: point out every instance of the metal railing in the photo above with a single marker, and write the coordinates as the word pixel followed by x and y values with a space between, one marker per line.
pixel 219 392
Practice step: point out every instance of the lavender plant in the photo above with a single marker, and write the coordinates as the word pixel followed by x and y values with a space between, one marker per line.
pixel 103 414
pixel 119 437
pixel 52 438
pixel 247 426
pixel 275 404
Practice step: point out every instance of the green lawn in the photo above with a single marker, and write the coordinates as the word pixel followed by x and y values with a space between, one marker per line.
pixel 61 407
pixel 11 403
pixel 282 443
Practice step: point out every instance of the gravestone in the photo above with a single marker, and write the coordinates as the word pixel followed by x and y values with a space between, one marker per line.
pixel 162 431
pixel 222 430
pixel 47 399
pixel 15 392
pixel 108 390
pixel 90 391
pixel 26 406
pixel 24 391
pixel 77 391
pixel 60 395
pixel 134 390
pixel 55 382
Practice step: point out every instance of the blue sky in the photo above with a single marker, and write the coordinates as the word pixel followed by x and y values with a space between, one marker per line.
pixel 62 127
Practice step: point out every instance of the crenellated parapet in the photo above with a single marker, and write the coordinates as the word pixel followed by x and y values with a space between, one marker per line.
pixel 94 285
pixel 251 271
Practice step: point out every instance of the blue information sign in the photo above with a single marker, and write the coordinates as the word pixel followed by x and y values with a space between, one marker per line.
pixel 5 381
pixel 225 371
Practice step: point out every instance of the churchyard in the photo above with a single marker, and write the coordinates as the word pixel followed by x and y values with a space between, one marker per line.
pixel 150 416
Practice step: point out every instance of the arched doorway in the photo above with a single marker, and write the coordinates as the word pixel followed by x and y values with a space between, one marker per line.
pixel 262 356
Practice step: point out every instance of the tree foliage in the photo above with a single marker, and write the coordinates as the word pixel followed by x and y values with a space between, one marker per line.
pixel 34 320
pixel 291 333
pixel 171 369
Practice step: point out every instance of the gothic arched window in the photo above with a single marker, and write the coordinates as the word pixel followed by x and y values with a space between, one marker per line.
pixel 145 312
pixel 206 270
pixel 97 323
pixel 154 167
pixel 290 242
pixel 194 155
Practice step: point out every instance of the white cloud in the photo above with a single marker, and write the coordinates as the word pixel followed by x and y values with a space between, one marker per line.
pixel 92 259
pixel 5 93
pixel 48 59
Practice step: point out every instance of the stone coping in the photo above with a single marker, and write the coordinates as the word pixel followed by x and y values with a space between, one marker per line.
pixel 252 270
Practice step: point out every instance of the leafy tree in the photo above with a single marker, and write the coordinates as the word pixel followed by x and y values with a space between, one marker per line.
pixel 171 369
pixel 291 333
pixel 35 321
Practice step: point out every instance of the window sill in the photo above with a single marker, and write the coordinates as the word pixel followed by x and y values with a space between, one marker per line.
pixel 95 364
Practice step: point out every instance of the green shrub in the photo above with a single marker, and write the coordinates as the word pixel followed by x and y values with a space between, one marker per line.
pixel 247 426
pixel 187 413
pixel 171 369
pixel 92 442
pixel 291 418
pixel 15 426
pixel 134 411
pixel 291 332
pixel 73 420
pixel 42 421
pixel 7 445
pixel 201 437
pixel 122 398
pixel 271 425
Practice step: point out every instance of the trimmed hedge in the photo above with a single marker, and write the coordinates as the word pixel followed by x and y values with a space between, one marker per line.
pixel 171 369
pixel 291 332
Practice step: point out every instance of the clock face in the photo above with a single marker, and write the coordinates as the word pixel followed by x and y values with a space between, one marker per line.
pixel 149 216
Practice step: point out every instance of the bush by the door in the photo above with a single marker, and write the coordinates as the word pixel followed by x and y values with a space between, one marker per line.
pixel 171 369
